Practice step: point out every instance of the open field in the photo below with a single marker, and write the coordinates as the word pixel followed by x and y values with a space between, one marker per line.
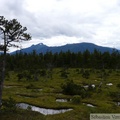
pixel 101 92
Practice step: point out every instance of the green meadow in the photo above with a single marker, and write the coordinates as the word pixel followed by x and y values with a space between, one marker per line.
pixel 94 92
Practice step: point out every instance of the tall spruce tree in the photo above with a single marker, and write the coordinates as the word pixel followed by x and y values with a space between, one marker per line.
pixel 11 32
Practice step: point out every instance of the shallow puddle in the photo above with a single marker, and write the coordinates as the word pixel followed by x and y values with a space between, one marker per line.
pixel 62 100
pixel 109 84
pixel 9 86
pixel 42 110
pixel 89 105
pixel 118 103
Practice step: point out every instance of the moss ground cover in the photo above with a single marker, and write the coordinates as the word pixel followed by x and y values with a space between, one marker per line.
pixel 44 91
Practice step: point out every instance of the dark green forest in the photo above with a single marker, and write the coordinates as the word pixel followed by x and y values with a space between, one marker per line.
pixel 96 60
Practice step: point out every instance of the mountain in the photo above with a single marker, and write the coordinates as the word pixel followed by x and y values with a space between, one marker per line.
pixel 41 48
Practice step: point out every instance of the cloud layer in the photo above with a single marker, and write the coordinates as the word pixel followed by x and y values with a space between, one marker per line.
pixel 57 22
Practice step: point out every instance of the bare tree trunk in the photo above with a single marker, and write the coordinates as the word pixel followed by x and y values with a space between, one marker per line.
pixel 2 80
pixel 1 85
pixel 3 71
pixel 1 88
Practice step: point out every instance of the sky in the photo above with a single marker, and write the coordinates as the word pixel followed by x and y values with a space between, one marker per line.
pixel 60 22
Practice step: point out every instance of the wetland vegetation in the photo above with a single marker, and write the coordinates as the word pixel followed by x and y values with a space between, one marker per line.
pixel 61 81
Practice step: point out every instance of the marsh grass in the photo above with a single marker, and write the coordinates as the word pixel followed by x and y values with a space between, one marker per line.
pixel 21 115
pixel 26 91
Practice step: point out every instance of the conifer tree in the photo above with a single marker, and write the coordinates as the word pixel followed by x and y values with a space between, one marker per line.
pixel 11 32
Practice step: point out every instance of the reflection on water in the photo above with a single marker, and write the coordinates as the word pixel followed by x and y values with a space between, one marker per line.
pixel 109 84
pixel 89 105
pixel 42 110
pixel 9 86
pixel 62 100
pixel 118 103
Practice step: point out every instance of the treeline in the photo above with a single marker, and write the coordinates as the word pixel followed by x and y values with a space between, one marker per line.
pixel 86 59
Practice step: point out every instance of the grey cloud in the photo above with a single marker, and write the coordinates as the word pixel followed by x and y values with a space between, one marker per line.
pixel 63 22
pixel 11 8
pixel 50 24
pixel 69 25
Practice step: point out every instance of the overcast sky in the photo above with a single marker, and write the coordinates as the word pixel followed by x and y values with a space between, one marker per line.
pixel 58 22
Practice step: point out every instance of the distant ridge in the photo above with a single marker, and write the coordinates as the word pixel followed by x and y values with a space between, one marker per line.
pixel 77 47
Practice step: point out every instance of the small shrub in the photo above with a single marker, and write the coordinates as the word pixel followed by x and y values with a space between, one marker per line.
pixel 118 85
pixel 9 105
pixel 43 73
pixel 30 86
pixel 82 71
pixel 24 75
pixel 78 71
pixel 76 99
pixel 29 108
pixel 115 95
pixel 70 88
pixel 86 74
pixel 20 76
pixel 91 87
pixel 64 74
